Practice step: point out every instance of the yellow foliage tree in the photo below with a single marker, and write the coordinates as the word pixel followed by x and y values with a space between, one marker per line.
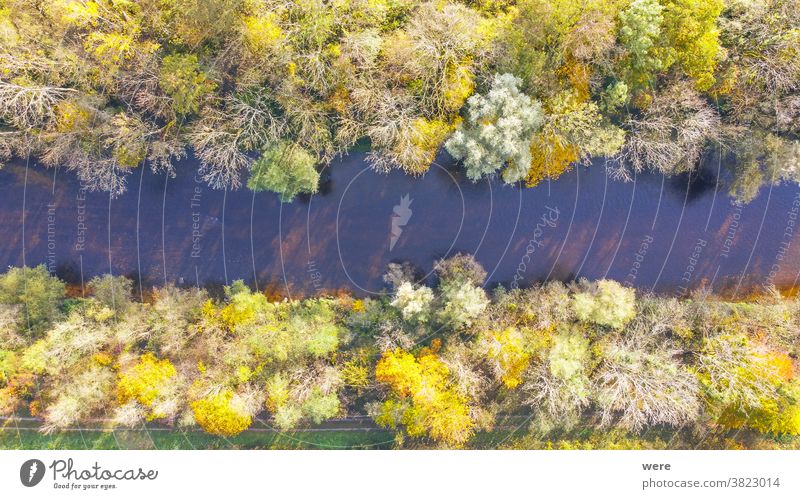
pixel 146 382
pixel 550 157
pixel 507 350
pixel 220 414
pixel 423 400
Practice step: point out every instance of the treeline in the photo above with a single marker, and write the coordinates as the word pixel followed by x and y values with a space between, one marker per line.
pixel 588 364
pixel 263 91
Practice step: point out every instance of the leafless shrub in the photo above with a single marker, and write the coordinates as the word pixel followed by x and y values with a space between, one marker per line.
pixel 220 157
pixel 556 401
pixel 637 386
pixel 463 363
pixel 671 134
pixel 222 137
pixel 28 107
pixel 139 88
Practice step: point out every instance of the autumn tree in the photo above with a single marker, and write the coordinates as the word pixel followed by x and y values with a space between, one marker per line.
pixel 605 303
pixel 497 131
pixel 422 399
pixel 37 293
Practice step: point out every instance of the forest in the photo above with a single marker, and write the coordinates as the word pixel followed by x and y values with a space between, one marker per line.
pixel 265 93
pixel 582 365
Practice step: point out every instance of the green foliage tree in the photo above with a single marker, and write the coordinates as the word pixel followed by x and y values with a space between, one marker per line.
pixel 37 292
pixel 182 79
pixel 558 386
pixel 113 292
pixel 286 169
pixel 639 33
pixel 605 303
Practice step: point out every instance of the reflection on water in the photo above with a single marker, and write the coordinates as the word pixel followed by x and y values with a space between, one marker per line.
pixel 668 235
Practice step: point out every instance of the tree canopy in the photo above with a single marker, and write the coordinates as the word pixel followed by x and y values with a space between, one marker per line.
pixel 527 88
pixel 588 364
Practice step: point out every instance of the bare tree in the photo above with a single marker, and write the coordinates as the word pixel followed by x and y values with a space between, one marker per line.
pixel 636 386
pixel 671 135
pixel 28 107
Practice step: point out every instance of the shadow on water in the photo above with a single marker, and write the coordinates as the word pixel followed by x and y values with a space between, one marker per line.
pixel 697 184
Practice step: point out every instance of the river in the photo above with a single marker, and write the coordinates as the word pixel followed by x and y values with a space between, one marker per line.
pixel 668 235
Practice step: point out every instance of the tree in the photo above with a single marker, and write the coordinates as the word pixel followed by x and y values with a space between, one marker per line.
pixel 422 398
pixel 113 292
pixel 497 131
pixel 671 135
pixel 573 130
pixel 747 384
pixel 224 414
pixel 149 383
pixel 692 38
pixel 37 292
pixel 506 350
pixel 558 387
pixel 184 82
pixel 458 269
pixel 286 169
pixel 305 395
pixel 79 398
pixel 461 298
pixel 413 302
pixel 462 304
pixel 605 303
pixel 636 386
pixel 639 32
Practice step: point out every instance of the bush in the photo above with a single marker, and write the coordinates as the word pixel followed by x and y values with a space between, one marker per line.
pixel 39 293
pixel 497 131
pixel 287 169
pixel 605 303
pixel 222 414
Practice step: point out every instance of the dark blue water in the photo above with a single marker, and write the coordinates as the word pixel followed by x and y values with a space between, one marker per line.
pixel 670 235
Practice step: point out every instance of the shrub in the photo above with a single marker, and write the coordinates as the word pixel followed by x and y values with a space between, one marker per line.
pixel 38 293
pixel 222 414
pixel 497 131
pixel 287 169
pixel 605 303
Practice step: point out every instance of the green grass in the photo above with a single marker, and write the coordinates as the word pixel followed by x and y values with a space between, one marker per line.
pixel 11 438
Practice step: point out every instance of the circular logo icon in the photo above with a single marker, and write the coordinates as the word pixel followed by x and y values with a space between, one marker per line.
pixel 31 472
